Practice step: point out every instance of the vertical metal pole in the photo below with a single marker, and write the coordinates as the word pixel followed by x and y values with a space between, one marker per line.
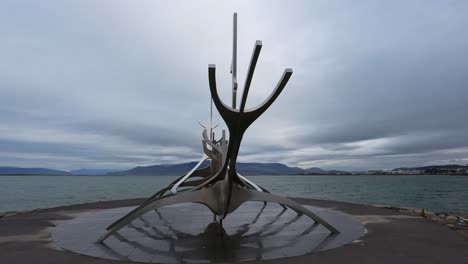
pixel 234 61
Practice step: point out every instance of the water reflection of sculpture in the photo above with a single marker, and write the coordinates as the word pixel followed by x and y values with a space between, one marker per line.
pixel 221 188
pixel 246 241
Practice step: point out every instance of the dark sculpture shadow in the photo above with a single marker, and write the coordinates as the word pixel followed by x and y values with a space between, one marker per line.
pixel 215 244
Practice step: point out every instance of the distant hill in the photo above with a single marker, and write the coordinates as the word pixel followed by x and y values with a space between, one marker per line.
pixel 266 169
pixel 242 168
pixel 173 170
pixel 315 170
pixel 159 170
pixel 91 171
pixel 33 171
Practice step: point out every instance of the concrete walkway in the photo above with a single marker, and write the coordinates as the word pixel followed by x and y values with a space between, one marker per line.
pixel 392 237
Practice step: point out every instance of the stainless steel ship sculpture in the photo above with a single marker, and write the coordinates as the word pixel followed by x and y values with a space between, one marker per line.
pixel 219 186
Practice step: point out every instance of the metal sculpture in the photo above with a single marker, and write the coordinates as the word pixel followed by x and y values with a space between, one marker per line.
pixel 221 188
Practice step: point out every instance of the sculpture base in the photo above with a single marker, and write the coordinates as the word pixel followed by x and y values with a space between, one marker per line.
pixel 189 233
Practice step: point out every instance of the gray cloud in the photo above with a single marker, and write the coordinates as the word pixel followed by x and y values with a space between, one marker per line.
pixel 117 84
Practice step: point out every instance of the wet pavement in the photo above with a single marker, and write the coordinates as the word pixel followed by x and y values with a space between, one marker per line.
pixel 189 233
pixel 391 236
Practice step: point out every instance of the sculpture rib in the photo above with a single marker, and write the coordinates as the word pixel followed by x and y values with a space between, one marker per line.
pixel 174 188
pixel 249 182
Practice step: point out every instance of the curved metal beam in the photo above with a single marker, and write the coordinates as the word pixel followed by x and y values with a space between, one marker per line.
pixel 174 188
pixel 250 72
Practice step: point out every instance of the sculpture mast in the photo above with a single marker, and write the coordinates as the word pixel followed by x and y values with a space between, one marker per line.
pixel 233 72
pixel 234 61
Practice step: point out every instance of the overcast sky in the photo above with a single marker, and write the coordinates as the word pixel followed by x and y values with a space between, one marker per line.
pixel 118 84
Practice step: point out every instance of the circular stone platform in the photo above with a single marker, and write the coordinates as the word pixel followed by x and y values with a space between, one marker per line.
pixel 187 233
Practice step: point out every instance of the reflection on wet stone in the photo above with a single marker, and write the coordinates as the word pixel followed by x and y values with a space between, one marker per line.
pixel 188 233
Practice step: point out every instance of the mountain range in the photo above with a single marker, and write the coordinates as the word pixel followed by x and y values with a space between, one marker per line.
pixel 92 171
pixel 28 171
pixel 182 168
pixel 242 168
pixel 173 169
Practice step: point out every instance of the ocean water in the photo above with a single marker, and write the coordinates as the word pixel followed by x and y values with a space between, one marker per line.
pixel 433 192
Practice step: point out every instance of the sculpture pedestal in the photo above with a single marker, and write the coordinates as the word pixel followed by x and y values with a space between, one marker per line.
pixel 188 233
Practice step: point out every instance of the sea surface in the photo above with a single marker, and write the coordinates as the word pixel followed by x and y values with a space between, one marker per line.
pixel 433 192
